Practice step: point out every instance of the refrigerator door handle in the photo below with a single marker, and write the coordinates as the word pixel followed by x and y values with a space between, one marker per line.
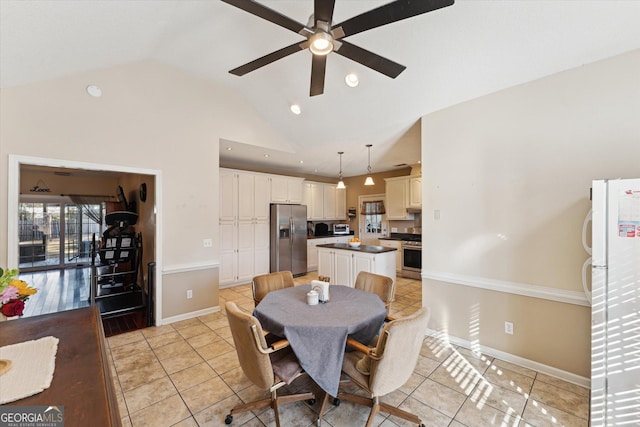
pixel 292 227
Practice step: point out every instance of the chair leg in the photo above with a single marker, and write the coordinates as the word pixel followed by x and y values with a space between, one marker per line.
pixel 375 408
pixel 251 406
pixel 356 399
pixel 400 413
pixel 322 407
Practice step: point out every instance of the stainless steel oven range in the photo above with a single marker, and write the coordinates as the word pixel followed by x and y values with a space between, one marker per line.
pixel 411 258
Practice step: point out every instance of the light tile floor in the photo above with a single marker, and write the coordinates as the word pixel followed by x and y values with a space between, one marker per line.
pixel 187 374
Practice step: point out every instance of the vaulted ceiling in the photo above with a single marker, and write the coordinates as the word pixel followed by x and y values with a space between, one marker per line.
pixel 452 55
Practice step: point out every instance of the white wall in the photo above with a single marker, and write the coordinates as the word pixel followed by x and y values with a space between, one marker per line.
pixel 153 117
pixel 510 174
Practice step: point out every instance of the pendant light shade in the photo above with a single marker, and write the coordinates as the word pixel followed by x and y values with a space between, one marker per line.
pixel 341 182
pixel 369 180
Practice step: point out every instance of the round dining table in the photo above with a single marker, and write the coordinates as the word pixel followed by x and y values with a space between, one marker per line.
pixel 318 333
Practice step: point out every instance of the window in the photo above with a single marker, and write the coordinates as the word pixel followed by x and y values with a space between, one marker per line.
pixel 372 212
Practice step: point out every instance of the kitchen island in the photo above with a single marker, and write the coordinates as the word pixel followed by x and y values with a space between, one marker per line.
pixel 342 263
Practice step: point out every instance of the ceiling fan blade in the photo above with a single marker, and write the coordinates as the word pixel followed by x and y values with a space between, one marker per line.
pixel 264 12
pixel 370 59
pixel 388 13
pixel 266 60
pixel 323 10
pixel 318 68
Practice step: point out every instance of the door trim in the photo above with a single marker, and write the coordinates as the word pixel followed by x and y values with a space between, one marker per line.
pixel 13 198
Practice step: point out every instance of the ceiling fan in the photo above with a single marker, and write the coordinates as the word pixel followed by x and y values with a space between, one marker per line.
pixel 323 37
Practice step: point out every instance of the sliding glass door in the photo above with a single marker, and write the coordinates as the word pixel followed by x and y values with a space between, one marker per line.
pixel 56 234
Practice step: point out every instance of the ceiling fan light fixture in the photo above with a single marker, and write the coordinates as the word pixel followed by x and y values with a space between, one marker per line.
pixel 321 43
pixel 351 80
pixel 369 180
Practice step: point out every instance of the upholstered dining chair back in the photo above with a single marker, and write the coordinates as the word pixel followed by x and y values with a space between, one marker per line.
pixel 255 364
pixel 267 365
pixel 382 286
pixel 265 283
pixel 399 345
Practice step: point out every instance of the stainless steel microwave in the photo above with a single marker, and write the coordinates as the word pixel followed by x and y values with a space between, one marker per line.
pixel 340 228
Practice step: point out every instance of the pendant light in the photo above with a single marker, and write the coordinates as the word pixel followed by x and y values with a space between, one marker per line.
pixel 369 180
pixel 341 182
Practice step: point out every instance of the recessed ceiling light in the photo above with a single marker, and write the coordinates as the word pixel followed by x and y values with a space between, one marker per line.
pixel 351 80
pixel 229 148
pixel 295 109
pixel 266 155
pixel 94 91
pixel 301 161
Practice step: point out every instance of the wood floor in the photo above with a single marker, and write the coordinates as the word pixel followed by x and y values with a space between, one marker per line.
pixel 58 290
pixel 61 290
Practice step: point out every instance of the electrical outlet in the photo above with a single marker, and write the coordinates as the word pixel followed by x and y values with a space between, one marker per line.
pixel 508 328
pixel 207 243
pixel 189 294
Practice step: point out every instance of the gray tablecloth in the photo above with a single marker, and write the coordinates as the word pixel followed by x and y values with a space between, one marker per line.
pixel 318 333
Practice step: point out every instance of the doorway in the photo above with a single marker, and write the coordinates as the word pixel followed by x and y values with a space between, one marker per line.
pixel 77 226
pixel 370 222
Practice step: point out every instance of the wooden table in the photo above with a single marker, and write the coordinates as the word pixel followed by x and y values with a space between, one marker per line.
pixel 82 379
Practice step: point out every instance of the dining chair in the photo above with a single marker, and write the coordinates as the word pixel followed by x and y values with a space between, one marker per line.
pixel 263 284
pixel 268 365
pixel 382 286
pixel 391 363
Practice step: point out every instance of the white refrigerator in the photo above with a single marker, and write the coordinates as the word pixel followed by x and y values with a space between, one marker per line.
pixel 615 318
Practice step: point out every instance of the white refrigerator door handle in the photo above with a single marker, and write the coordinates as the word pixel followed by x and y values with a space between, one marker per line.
pixel 585 224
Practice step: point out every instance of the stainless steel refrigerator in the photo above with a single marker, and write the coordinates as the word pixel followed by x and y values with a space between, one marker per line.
pixel 288 238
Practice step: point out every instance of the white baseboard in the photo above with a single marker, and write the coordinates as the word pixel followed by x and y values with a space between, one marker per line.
pixel 516 360
pixel 190 315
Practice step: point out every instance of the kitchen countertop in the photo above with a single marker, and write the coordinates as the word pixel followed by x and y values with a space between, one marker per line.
pixel 329 235
pixel 362 248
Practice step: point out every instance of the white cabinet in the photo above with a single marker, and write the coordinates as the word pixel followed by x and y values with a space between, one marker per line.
pixel 394 244
pixel 244 225
pixel 286 189
pixel 228 195
pixel 342 265
pixel 228 252
pixel 415 192
pixel 397 198
pixel 253 197
pixel 324 201
pixel 312 249
pixel 342 269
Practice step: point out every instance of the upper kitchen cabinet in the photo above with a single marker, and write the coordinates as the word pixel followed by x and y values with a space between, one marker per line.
pixel 286 189
pixel 244 196
pixel 324 201
pixel 415 192
pixel 253 199
pixel 228 195
pixel 397 197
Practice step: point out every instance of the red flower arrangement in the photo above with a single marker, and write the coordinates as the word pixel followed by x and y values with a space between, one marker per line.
pixel 13 293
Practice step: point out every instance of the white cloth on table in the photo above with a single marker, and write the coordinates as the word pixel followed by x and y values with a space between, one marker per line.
pixel 32 366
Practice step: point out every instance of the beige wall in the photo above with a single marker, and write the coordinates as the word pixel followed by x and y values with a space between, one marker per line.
pixel 151 117
pixel 510 174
